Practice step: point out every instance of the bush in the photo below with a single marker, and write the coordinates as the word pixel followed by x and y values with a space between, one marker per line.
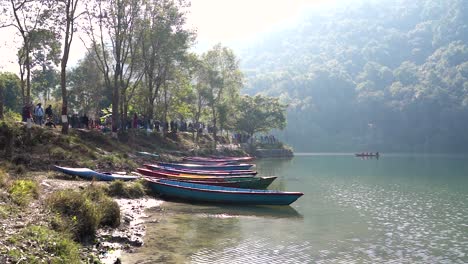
pixel 81 215
pixel 58 153
pixel 82 212
pixel 126 190
pixel 44 245
pixel 22 191
pixel 110 212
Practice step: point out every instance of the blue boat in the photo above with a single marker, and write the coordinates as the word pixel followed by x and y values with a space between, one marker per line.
pixel 90 174
pixel 219 194
pixel 147 154
pixel 200 172
pixel 206 167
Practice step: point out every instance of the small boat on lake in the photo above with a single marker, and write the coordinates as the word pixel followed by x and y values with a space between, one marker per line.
pixel 218 194
pixel 206 167
pixel 162 174
pixel 199 172
pixel 89 174
pixel 367 154
pixel 251 183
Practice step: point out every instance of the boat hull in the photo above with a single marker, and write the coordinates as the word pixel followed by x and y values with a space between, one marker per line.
pixel 206 167
pixel 217 194
pixel 253 183
pixel 160 174
pixel 88 174
pixel 200 172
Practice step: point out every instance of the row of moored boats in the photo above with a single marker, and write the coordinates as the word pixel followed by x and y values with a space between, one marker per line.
pixel 202 179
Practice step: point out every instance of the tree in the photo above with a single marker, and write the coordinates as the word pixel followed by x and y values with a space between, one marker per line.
pixel 27 16
pixel 163 45
pixel 260 114
pixel 68 9
pixel 116 21
pixel 9 91
pixel 87 90
pixel 222 78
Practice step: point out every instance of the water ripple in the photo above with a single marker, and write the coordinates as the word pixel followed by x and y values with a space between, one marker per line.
pixel 407 227
pixel 255 251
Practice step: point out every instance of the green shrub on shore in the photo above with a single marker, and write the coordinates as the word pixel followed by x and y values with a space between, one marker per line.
pixel 22 191
pixel 126 189
pixel 81 213
pixel 110 213
pixel 58 153
pixel 43 246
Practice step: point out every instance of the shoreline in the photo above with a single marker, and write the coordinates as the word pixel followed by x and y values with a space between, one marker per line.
pixel 113 242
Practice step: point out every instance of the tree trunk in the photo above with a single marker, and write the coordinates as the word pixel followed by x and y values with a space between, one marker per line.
pixel 63 85
pixel 28 72
pixel 1 101
pixel 214 126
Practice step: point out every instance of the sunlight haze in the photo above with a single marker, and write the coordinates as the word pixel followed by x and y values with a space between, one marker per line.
pixel 232 21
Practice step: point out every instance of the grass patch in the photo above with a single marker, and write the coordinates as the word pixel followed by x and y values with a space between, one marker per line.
pixel 82 212
pixel 22 191
pixel 58 153
pixel 122 189
pixel 43 246
pixel 3 178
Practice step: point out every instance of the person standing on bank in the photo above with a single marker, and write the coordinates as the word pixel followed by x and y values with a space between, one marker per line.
pixel 39 113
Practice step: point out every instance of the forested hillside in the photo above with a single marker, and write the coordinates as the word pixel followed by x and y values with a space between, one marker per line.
pixel 375 76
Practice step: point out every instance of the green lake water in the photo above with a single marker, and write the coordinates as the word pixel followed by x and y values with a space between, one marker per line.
pixel 397 209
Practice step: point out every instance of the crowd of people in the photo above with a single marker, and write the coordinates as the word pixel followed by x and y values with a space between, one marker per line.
pixel 36 114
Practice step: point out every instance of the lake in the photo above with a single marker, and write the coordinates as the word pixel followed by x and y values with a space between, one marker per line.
pixel 399 208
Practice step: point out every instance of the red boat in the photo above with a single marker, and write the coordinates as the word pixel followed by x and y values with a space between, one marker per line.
pixel 174 176
pixel 218 159
pixel 200 172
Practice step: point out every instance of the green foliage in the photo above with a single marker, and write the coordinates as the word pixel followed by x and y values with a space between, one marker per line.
pixel 58 153
pixel 43 245
pixel 260 114
pixel 110 212
pixel 81 213
pixel 11 116
pixel 22 191
pixel 126 189
pixel 10 84
pixel 394 81
pixel 81 217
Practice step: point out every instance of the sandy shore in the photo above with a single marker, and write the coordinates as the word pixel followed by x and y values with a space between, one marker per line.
pixel 113 242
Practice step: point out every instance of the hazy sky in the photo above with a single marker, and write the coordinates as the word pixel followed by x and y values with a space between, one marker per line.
pixel 216 21
pixel 234 20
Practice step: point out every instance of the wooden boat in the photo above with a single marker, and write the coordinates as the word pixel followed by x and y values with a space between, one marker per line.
pixel 200 172
pixel 206 167
pixel 219 194
pixel 90 174
pixel 217 159
pixel 367 154
pixel 251 183
pixel 161 174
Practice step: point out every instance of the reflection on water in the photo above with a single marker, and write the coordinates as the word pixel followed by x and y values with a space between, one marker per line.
pixel 398 209
pixel 219 210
